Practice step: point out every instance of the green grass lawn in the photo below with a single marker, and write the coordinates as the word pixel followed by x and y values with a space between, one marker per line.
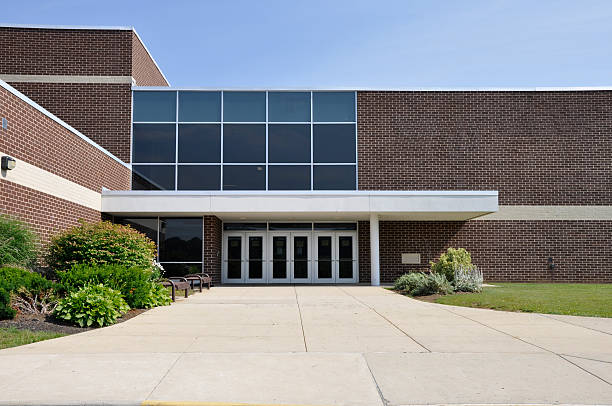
pixel 12 337
pixel 553 298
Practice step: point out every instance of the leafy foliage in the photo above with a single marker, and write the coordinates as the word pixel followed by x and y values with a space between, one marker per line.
pixel 17 243
pixel 468 279
pixel 99 244
pixel 14 280
pixel 136 284
pixel 33 302
pixel 420 284
pixel 95 305
pixel 453 258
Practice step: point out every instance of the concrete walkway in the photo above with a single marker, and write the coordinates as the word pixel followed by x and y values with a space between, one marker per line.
pixel 318 345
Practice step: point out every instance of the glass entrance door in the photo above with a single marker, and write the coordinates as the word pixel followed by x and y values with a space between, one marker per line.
pixel 335 257
pixel 300 258
pixel 233 266
pixel 323 261
pixel 280 259
pixel 256 266
pixel 346 254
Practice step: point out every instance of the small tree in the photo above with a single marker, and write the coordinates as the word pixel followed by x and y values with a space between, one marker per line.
pixel 17 243
pixel 453 258
pixel 100 243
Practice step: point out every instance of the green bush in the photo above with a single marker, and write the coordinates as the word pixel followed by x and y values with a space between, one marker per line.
pixel 448 261
pixel 6 311
pixel 14 280
pixel 92 305
pixel 420 284
pixel 17 243
pixel 136 284
pixel 99 244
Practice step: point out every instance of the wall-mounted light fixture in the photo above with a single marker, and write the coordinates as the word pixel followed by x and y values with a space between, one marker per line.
pixel 8 163
pixel 551 264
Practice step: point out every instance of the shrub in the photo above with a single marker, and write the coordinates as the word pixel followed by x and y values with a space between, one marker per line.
pixel 20 283
pixel 98 244
pixel 468 279
pixel 6 311
pixel 17 243
pixel 420 284
pixel 136 284
pixel 452 258
pixel 92 305
pixel 33 302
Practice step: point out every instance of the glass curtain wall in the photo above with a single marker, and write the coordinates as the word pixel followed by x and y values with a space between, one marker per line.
pixel 234 140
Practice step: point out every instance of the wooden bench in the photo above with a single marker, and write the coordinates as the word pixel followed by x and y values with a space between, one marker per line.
pixel 177 283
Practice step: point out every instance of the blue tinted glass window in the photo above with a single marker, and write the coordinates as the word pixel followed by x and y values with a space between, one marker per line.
pixel 154 106
pixel 244 106
pixel 244 177
pixel 180 239
pixel 244 143
pixel 199 106
pixel 288 177
pixel 199 143
pixel 333 106
pixel 154 143
pixel 288 143
pixel 289 106
pixel 152 177
pixel 334 177
pixel 199 177
pixel 334 143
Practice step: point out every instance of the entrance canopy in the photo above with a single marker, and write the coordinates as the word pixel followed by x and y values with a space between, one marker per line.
pixel 320 205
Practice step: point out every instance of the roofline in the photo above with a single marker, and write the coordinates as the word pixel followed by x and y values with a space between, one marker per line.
pixel 68 27
pixel 59 121
pixel 383 89
pixel 91 28
pixel 150 55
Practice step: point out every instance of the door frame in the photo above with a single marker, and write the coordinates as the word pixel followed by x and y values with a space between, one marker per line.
pixel 271 235
pixel 246 259
pixel 224 259
pixel 315 257
pixel 355 266
pixel 310 257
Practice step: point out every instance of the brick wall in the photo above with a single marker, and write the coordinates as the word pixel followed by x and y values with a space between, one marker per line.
pixel 144 70
pixel 504 250
pixel 213 230
pixel 34 51
pixel 535 148
pixel 41 141
pixel 100 111
pixel 45 214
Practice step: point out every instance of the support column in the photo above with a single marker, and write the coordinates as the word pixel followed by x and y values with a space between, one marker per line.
pixel 374 251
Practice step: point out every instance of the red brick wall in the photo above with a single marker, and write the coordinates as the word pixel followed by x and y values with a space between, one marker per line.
pixel 40 141
pixel 45 214
pixel 213 231
pixel 33 51
pixel 535 148
pixel 102 112
pixel 144 70
pixel 504 250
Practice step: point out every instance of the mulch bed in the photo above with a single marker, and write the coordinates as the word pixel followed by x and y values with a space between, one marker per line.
pixel 429 298
pixel 37 322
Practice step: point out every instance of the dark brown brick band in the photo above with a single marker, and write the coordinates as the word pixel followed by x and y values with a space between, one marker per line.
pixel 505 250
pixel 213 232
pixel 535 148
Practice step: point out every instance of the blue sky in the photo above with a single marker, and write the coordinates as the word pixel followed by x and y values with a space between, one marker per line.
pixel 355 43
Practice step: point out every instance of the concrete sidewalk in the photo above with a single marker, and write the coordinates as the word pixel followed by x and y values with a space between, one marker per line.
pixel 318 345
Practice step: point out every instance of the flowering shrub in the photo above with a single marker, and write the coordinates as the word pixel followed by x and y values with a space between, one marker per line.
pixel 99 244
pixel 92 305
pixel 452 258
